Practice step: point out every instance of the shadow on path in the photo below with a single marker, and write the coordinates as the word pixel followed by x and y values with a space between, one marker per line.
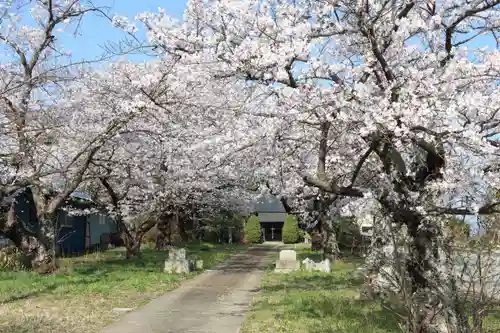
pixel 215 301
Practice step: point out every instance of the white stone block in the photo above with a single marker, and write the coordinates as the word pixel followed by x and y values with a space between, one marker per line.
pixel 322 266
pixel 288 255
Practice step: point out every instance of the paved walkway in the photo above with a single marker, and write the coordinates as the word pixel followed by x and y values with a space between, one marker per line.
pixel 215 301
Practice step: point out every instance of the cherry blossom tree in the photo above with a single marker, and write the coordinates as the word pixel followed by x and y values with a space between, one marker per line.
pixel 385 99
pixel 149 139
pixel 49 129
pixel 158 169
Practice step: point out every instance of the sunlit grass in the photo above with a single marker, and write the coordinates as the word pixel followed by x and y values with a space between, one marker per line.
pixel 84 295
pixel 315 302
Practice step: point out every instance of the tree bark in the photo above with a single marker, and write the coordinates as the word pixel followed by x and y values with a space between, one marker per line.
pixel 328 238
pixel 434 296
pixel 164 229
pixel 181 227
pixel 330 246
pixel 133 245
pixel 32 243
pixel 132 238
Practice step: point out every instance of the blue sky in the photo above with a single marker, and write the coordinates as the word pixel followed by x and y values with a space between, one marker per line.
pixel 96 31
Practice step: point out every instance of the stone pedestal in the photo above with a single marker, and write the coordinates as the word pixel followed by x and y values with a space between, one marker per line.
pixel 287 262
pixel 178 267
pixel 178 263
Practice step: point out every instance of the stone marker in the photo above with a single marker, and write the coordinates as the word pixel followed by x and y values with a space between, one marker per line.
pixel 308 264
pixel 179 264
pixel 179 267
pixel 289 255
pixel 325 266
pixel 322 266
pixel 287 262
pixel 177 254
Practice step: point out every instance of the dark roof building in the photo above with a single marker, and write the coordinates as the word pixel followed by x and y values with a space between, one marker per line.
pixel 271 215
pixel 269 204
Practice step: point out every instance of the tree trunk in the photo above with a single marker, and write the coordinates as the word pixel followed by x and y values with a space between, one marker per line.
pixel 457 318
pixel 330 246
pixel 31 242
pixel 181 228
pixel 433 296
pixel 329 239
pixel 133 245
pixel 431 269
pixel 132 239
pixel 169 237
pixel 164 226
pixel 49 222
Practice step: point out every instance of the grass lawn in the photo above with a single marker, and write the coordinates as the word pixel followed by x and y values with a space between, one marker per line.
pixel 316 302
pixel 89 290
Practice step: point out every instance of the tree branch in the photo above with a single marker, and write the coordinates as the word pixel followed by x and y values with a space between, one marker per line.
pixel 331 187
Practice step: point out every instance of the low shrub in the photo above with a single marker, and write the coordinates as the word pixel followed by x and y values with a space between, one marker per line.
pixel 291 231
pixel 253 234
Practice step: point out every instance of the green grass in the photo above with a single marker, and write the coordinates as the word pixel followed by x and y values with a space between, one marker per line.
pixel 316 302
pixel 492 322
pixel 82 296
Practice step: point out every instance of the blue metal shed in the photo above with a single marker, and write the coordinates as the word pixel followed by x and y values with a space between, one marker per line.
pixel 100 224
pixel 72 233
pixel 75 233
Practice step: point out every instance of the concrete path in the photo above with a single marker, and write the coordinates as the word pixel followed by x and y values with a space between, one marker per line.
pixel 215 301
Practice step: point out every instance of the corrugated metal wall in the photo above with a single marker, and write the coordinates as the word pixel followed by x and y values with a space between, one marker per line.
pixel 72 233
pixel 100 224
pixel 73 230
